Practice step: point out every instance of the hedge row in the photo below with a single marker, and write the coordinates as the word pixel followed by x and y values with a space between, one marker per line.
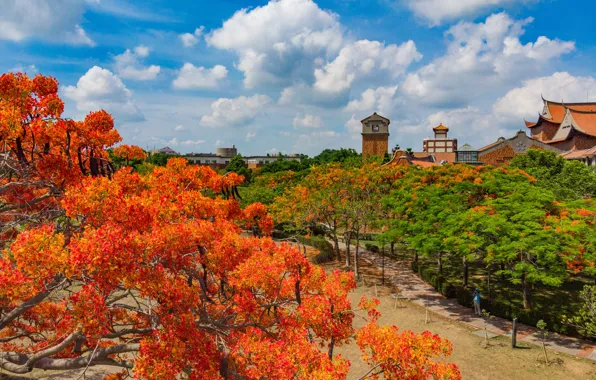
pixel 326 252
pixel 497 307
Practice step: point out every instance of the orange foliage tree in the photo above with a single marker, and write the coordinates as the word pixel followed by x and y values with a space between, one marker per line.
pixel 41 153
pixel 129 152
pixel 150 273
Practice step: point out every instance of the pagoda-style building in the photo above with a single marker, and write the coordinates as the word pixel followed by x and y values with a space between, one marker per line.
pixel 440 143
pixel 375 136
pixel 566 126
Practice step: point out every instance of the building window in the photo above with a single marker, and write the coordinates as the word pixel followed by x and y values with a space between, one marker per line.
pixel 467 156
pixel 375 128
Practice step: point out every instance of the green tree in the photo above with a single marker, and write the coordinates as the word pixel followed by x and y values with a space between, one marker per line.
pixel 238 166
pixel 567 179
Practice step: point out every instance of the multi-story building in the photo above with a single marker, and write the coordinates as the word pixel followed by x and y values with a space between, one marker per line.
pixel 375 136
pixel 441 143
pixel 222 157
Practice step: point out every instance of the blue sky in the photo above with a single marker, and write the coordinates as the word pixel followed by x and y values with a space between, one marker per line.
pixel 296 76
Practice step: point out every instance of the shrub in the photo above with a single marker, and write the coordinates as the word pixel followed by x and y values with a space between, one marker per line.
pixel 371 247
pixel 326 252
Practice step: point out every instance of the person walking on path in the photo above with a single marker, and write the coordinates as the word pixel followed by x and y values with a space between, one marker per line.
pixel 476 299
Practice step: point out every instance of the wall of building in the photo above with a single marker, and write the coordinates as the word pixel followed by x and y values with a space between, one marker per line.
pixel 497 157
pixel 375 145
pixel 545 131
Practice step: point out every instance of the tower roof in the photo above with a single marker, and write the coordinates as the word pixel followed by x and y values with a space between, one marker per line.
pixel 440 127
pixel 376 117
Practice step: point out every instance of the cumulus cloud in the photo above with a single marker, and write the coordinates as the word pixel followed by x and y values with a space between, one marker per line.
pixel 526 102
pixel 192 77
pixel 191 39
pixel 380 99
pixel 56 21
pixel 235 112
pixel 354 127
pixel 280 41
pixel 307 121
pixel 438 11
pixel 481 57
pixel 250 136
pixel 364 58
pixel 179 128
pixel 128 64
pixel 100 89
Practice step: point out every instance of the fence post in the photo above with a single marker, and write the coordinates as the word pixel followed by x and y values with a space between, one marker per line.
pixel 514 333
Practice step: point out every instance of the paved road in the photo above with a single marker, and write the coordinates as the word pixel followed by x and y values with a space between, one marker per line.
pixel 421 293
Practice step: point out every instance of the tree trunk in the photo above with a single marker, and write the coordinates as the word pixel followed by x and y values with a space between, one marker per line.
pixel 348 238
pixel 383 265
pixel 440 262
pixel 393 250
pixel 466 271
pixel 356 272
pixel 527 293
pixel 336 247
pixel 488 281
pixel 502 269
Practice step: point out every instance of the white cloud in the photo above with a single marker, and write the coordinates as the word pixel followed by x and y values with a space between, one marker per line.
pixel 250 136
pixel 526 102
pixel 179 128
pixel 192 77
pixel 192 142
pixel 481 58
pixel 30 69
pixel 365 58
pixel 234 112
pixel 354 127
pixel 190 40
pixel 438 11
pixel 219 142
pixel 57 21
pixel 380 99
pixel 101 89
pixel 280 41
pixel 307 121
pixel 128 64
pixel 324 134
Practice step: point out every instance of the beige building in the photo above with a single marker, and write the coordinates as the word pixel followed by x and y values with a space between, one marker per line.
pixel 375 136
pixel 440 143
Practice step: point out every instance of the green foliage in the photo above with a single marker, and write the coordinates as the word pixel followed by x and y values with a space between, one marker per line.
pixel 567 179
pixel 330 156
pixel 585 320
pixel 326 253
pixel 238 166
pixel 159 159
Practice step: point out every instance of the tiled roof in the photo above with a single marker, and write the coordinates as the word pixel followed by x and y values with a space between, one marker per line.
pixel 557 110
pixel 499 141
pixel 529 124
pixel 376 116
pixel 586 121
pixel 425 164
pixel 449 157
pixel 573 154
pixel 441 127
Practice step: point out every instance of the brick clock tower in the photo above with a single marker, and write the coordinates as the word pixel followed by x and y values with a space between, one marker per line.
pixel 375 136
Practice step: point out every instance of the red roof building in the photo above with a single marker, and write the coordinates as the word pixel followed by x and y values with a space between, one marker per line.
pixel 566 126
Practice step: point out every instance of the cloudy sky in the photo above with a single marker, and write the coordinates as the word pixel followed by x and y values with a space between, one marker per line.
pixel 296 76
